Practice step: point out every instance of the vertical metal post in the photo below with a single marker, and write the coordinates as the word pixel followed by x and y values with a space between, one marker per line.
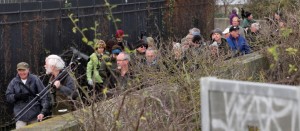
pixel 43 21
pixel 20 22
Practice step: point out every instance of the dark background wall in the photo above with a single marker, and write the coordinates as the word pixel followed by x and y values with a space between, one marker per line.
pixel 32 29
pixel 29 31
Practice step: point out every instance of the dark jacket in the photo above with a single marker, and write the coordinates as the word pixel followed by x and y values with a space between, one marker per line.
pixel 61 97
pixel 108 71
pixel 35 86
pixel 238 45
pixel 223 47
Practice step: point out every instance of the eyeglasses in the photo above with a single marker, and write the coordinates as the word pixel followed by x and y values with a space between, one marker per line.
pixel 121 59
pixel 142 46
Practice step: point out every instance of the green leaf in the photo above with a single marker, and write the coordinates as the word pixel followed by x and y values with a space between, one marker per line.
pixel 98 34
pixel 92 28
pixel 76 20
pixel 117 20
pixel 107 4
pixel 143 118
pixel 108 17
pixel 74 29
pixel 273 52
pixel 119 124
pixel 71 15
pixel 85 40
pixel 95 40
pixel 285 32
pixel 291 51
pixel 96 23
pixel 113 6
pixel 84 29
pixel 91 43
pixel 292 68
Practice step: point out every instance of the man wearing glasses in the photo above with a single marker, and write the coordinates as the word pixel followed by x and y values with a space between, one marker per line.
pixel 123 60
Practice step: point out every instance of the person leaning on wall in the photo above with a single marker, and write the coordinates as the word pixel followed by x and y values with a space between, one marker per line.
pixel 21 91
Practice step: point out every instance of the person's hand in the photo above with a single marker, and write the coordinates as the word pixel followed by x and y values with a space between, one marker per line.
pixel 21 96
pixel 90 82
pixel 40 117
pixel 57 84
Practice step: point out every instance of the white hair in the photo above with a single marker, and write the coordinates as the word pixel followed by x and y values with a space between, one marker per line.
pixel 55 60
pixel 126 56
pixel 176 46
pixel 255 25
pixel 191 31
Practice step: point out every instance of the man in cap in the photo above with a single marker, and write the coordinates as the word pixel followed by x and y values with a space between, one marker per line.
pixel 237 43
pixel 22 90
pixel 226 33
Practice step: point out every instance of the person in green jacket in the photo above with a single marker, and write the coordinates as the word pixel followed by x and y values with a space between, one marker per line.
pixel 92 72
pixel 248 21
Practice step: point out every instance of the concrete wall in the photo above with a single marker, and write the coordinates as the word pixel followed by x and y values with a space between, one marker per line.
pixel 223 23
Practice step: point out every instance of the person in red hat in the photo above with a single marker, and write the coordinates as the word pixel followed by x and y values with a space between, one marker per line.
pixel 120 39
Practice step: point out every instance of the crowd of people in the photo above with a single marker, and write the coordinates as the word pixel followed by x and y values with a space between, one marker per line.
pixel 109 65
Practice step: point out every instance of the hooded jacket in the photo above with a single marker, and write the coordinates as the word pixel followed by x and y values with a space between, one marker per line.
pixel 93 66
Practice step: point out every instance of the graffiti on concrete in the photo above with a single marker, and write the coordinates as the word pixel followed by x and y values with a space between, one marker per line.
pixel 235 106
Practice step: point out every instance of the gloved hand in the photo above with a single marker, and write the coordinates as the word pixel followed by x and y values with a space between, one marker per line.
pixel 21 96
pixel 90 82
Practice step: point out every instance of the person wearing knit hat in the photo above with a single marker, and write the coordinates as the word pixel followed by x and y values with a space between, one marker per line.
pixel 217 30
pixel 93 66
pixel 100 44
pixel 141 46
pixel 248 20
pixel 221 42
pixel 120 39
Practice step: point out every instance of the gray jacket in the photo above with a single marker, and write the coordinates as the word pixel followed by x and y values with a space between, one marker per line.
pixel 35 86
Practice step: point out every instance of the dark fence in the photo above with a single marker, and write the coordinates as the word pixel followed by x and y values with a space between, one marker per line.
pixel 29 31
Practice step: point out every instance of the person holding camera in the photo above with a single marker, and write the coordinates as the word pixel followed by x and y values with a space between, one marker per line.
pixel 21 91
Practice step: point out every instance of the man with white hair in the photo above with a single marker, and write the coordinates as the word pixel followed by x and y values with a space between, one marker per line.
pixel 63 88
pixel 253 34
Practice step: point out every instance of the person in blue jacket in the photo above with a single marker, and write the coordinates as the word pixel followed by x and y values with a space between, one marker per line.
pixel 237 43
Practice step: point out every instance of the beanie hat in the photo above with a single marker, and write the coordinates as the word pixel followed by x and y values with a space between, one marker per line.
pixel 99 44
pixel 217 30
pixel 247 14
pixel 116 51
pixel 119 33
pixel 196 33
pixel 140 43
pixel 116 47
